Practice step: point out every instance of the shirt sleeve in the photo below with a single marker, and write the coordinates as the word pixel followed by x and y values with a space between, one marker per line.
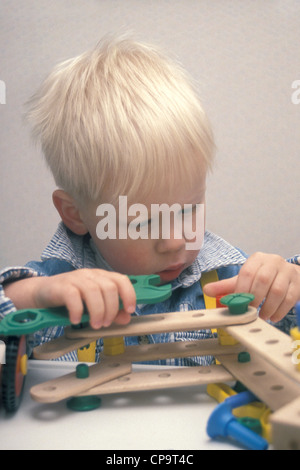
pixel 294 260
pixel 47 267
pixel 11 275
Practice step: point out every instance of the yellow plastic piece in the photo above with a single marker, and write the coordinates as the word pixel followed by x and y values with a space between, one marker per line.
pixel 210 302
pixel 225 339
pixel 255 410
pixel 266 426
pixel 295 334
pixel 206 278
pixel 260 411
pixel 23 364
pixel 87 353
pixel 113 346
pixel 219 391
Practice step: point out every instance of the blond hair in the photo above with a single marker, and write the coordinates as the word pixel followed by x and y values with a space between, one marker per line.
pixel 120 119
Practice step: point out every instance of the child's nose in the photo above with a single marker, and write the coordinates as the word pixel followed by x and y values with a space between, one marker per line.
pixel 170 244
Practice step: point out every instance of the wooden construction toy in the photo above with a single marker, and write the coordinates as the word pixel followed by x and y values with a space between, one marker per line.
pixel 15 327
pixel 259 356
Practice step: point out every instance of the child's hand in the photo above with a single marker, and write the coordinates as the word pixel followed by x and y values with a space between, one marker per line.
pixel 97 289
pixel 267 277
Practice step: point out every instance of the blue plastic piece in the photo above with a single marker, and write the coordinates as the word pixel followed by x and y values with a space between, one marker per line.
pixel 298 313
pixel 222 423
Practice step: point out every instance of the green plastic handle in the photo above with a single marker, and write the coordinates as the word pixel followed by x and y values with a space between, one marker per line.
pixel 28 321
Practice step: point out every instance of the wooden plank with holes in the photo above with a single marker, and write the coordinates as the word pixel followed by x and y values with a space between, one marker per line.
pixel 163 379
pixel 285 427
pixel 58 347
pixel 269 342
pixel 166 323
pixel 180 349
pixel 144 352
pixel 69 385
pixel 268 383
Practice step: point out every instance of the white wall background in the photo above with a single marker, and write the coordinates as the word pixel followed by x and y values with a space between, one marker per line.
pixel 245 56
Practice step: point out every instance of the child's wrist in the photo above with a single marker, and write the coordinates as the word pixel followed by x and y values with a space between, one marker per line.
pixel 23 292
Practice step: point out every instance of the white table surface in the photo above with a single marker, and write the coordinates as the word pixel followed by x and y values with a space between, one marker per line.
pixel 155 420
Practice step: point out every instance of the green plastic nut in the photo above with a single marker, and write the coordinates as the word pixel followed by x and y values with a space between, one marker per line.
pixel 244 357
pixel 82 371
pixel 237 303
pixel 85 403
pixel 251 423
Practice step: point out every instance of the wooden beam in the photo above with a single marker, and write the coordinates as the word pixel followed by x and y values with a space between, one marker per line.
pixel 180 349
pixel 268 383
pixel 269 342
pixel 69 385
pixel 166 323
pixel 163 379
pixel 139 353
pixel 285 427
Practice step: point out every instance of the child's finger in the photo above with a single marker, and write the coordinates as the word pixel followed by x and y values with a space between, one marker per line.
pixel 262 283
pixel 126 292
pixel 93 299
pixel 102 294
pixel 226 286
pixel 122 318
pixel 110 294
pixel 112 287
pixel 55 292
pixel 277 303
pixel 247 275
pixel 74 304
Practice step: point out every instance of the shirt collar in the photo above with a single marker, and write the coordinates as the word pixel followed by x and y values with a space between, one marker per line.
pixel 216 253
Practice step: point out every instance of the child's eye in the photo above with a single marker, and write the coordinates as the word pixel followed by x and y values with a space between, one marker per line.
pixel 189 209
pixel 143 224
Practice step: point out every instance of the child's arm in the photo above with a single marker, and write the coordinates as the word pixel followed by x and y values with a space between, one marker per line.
pixel 268 277
pixel 97 289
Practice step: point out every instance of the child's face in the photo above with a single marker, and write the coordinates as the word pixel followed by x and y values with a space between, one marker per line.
pixel 166 256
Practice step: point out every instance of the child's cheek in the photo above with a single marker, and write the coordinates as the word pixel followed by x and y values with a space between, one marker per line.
pixel 131 259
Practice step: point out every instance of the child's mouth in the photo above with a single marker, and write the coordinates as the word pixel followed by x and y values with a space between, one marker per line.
pixel 171 273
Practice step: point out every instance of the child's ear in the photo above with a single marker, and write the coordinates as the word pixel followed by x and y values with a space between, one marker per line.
pixel 69 212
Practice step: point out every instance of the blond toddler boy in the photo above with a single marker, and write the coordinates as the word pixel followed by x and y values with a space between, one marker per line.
pixel 124 120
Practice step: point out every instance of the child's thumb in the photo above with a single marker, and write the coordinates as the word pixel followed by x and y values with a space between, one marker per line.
pixel 224 287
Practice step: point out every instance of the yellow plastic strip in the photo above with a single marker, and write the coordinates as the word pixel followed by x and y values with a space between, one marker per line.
pixel 210 302
pixel 206 278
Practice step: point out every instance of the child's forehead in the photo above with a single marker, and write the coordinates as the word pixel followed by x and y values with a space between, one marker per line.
pixel 179 193
pixel 167 197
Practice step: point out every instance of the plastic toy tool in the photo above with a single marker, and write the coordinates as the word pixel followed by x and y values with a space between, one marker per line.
pixel 28 321
pixel 222 423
